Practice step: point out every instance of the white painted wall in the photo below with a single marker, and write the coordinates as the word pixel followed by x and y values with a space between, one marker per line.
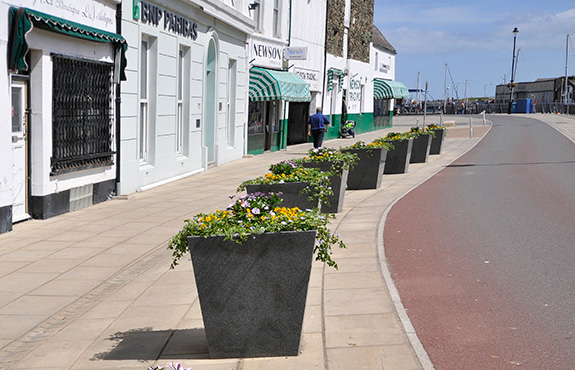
pixel 228 26
pixel 379 57
pixel 308 30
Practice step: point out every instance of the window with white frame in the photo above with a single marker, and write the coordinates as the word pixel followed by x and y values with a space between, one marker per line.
pixel 144 102
pixel 256 7
pixel 183 98
pixel 231 98
pixel 277 18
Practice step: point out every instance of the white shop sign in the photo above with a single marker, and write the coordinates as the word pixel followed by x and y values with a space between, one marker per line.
pixel 311 77
pixel 99 14
pixel 267 55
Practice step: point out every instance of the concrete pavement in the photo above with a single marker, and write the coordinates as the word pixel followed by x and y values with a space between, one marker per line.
pixel 92 289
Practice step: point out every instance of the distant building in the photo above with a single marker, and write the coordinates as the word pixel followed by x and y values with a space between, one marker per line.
pixel 540 91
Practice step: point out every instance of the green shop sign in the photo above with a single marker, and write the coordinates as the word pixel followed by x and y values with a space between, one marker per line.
pixel 152 14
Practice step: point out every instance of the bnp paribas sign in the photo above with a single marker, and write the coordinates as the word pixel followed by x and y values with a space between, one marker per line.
pixel 157 16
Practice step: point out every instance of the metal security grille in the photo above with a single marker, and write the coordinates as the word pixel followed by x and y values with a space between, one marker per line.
pixel 81 114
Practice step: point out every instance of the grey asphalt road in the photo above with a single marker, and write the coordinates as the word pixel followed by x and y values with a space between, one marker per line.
pixel 483 254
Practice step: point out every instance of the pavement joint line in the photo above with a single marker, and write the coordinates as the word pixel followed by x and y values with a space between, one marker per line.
pixel 416 344
pixel 65 316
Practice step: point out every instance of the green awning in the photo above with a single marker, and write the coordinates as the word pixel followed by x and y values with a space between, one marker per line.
pixel 387 89
pixel 331 73
pixel 267 84
pixel 23 20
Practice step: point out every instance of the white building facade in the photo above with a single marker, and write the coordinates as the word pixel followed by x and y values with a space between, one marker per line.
pixel 184 101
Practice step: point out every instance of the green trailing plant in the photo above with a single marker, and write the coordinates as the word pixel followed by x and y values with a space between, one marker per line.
pixel 341 160
pixel 253 214
pixel 290 171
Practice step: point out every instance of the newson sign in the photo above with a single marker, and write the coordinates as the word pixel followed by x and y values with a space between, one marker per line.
pixel 152 14
pixel 267 55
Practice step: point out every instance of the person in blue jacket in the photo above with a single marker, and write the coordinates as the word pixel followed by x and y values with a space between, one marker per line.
pixel 316 127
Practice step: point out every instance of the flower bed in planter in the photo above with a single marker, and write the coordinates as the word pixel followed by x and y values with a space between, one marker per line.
pixel 437 141
pixel 368 171
pixel 252 263
pixel 300 187
pixel 253 295
pixel 337 164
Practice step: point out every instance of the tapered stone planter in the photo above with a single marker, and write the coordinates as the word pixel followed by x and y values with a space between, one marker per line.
pixel 437 142
pixel 398 158
pixel 252 295
pixel 420 148
pixel 368 171
pixel 338 184
pixel 293 194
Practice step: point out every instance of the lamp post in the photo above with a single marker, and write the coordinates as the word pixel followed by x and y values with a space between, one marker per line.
pixel 511 83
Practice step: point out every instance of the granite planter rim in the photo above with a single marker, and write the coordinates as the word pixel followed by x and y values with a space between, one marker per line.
pixel 252 295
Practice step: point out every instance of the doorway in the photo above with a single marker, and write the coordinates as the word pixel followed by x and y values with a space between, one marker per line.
pixel 297 123
pixel 19 151
pixel 210 103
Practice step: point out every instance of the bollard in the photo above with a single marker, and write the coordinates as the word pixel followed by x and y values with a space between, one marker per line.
pixel 483 114
pixel 471 127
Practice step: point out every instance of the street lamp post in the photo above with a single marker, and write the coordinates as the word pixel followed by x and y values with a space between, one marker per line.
pixel 511 83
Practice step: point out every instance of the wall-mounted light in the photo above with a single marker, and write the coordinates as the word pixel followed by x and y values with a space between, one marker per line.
pixel 252 6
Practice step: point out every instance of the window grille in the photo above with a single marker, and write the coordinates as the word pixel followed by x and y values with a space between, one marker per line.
pixel 82 113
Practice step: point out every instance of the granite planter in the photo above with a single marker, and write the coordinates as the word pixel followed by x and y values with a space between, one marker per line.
pixel 338 183
pixel 398 158
pixel 437 142
pixel 252 295
pixel 420 148
pixel 368 171
pixel 293 194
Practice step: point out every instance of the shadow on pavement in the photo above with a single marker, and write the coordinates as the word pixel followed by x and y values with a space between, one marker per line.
pixel 147 344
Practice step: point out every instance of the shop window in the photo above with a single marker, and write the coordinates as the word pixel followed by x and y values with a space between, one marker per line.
pixel 82 114
pixel 381 112
pixel 255 121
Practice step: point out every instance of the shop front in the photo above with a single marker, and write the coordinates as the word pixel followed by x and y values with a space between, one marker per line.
pixel 272 93
pixel 384 93
pixel 64 66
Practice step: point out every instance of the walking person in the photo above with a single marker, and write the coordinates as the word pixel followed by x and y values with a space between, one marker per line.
pixel 316 127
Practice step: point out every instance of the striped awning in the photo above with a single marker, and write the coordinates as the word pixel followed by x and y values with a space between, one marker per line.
pixel 387 89
pixel 267 84
pixel 23 20
pixel 331 73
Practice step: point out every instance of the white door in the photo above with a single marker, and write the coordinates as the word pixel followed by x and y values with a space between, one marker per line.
pixel 19 106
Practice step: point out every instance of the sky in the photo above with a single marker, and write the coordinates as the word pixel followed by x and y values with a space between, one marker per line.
pixel 475 40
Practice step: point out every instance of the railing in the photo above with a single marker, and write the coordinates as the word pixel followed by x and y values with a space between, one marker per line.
pixel 488 107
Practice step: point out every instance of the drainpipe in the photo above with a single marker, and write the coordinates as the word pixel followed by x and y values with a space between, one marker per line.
pixel 118 104
pixel 324 55
pixel 289 29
